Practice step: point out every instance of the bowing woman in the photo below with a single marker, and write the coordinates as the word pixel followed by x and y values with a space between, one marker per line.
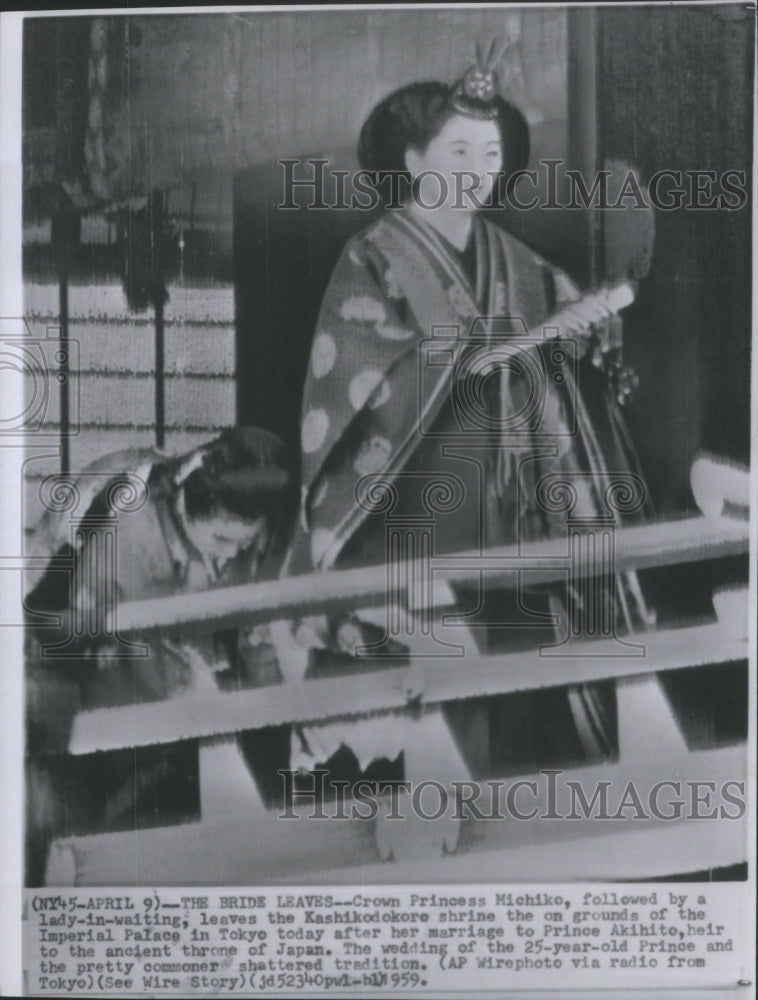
pixel 375 406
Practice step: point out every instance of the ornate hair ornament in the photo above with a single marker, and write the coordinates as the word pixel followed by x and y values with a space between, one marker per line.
pixel 475 93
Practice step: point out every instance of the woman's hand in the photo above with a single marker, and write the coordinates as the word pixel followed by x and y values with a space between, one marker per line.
pixel 583 316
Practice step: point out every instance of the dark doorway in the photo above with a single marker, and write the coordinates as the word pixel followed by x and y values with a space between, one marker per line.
pixel 283 259
pixel 686 105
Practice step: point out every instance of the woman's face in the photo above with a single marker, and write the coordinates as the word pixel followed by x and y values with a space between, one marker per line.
pixel 467 156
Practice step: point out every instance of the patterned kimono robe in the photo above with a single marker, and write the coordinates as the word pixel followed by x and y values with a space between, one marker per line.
pixel 385 390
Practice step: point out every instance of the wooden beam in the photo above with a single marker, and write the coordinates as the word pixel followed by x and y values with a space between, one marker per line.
pixel 385 690
pixel 640 547
pixel 267 850
pixel 226 784
pixel 644 698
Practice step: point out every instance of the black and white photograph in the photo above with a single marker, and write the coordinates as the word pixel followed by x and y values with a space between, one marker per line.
pixel 378 454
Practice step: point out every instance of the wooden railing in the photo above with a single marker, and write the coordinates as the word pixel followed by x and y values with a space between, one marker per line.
pixel 239 841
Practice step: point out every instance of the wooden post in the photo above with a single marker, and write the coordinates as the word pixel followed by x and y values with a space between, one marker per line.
pixel 65 236
pixel 158 296
pixel 160 406
pixel 63 374
pixel 583 151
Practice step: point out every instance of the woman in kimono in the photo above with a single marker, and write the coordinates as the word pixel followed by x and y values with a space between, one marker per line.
pixel 185 524
pixel 404 385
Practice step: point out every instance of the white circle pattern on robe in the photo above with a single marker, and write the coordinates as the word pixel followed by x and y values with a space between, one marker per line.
pixel 323 354
pixel 368 386
pixel 372 456
pixel 390 332
pixel 314 430
pixel 364 308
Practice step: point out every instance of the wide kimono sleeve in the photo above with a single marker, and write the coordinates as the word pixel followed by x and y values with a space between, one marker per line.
pixel 349 419
pixel 602 338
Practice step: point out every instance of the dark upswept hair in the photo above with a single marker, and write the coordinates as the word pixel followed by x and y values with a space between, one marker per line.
pixel 244 472
pixel 409 118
